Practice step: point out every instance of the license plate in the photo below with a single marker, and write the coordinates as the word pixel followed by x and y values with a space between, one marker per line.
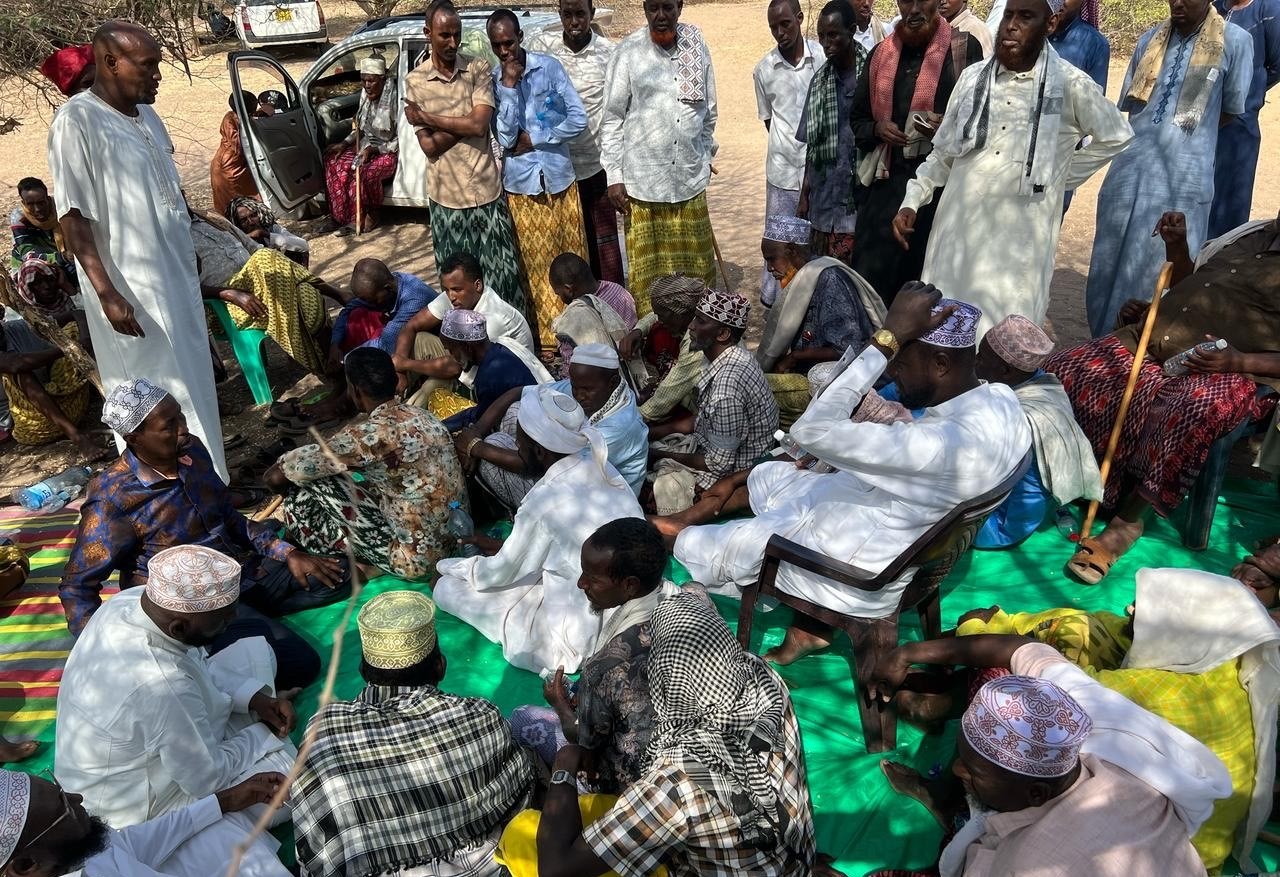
pixel 283 15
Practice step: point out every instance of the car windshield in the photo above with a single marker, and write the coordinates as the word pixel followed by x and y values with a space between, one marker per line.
pixel 342 76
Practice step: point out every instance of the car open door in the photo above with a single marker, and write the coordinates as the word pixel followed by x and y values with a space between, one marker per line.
pixel 281 147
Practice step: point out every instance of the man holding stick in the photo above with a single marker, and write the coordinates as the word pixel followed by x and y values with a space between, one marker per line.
pixel 1177 410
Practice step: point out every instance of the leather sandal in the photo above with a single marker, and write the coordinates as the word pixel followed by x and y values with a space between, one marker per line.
pixel 1091 562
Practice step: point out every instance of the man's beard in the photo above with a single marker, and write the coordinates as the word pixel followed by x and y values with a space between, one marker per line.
pixel 664 38
pixel 73 853
pixel 916 38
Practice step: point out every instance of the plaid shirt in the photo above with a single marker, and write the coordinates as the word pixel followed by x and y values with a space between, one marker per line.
pixel 131 512
pixel 737 414
pixel 665 818
pixel 402 777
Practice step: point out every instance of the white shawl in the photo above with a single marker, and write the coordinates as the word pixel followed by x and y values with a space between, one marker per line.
pixel 1064 456
pixel 787 316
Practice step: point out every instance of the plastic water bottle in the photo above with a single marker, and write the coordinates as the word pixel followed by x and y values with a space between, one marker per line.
pixel 460 526
pixel 53 493
pixel 1176 366
pixel 1066 523
pixel 788 445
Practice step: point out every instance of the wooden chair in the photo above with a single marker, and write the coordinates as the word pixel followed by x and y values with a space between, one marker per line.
pixel 933 554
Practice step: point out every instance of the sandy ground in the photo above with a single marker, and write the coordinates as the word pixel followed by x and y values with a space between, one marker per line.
pixel 739 37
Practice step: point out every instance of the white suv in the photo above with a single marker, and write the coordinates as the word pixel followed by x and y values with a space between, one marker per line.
pixel 280 23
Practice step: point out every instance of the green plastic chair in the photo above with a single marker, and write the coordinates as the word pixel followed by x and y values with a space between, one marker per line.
pixel 247 346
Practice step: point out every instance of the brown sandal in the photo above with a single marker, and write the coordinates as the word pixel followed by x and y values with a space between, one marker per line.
pixel 1091 562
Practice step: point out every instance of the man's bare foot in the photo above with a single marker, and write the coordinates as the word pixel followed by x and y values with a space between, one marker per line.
pixel 11 751
pixel 795 645
pixel 940 797
pixel 1119 536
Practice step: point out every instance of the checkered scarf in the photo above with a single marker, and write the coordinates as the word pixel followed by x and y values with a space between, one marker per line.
pixel 717 709
pixel 403 777
pixel 822 124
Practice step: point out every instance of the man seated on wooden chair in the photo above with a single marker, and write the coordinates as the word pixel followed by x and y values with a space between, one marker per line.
pixel 892 481
pixel 1226 292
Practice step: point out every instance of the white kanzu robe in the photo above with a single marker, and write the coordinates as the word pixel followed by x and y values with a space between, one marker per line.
pixel 990 245
pixel 147 724
pixel 526 596
pixel 118 171
pixel 893 483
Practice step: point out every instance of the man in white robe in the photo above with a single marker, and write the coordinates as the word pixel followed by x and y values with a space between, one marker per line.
pixel 526 595
pixel 49 832
pixel 121 204
pixel 147 722
pixel 892 481
pixel 1006 152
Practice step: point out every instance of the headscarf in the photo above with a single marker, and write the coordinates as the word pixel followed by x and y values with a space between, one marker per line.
pixel 51 225
pixel 716 709
pixel 32 268
pixel 1020 342
pixel 65 66
pixel 129 404
pixel 259 209
pixel 1026 725
pixel 15 802
pixel 558 423
pixel 678 293
pixel 192 579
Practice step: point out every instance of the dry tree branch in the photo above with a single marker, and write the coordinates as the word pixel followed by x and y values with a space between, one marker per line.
pixel 331 677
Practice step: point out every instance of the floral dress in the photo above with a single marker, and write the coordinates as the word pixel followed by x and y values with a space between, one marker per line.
pixel 395 515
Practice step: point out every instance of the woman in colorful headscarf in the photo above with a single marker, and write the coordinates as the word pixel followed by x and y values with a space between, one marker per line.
pixel 71 69
pixel 37 232
pixel 229 170
pixel 374 154
pixel 257 220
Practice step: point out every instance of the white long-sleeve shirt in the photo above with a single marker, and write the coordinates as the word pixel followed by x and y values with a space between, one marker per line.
pixel 659 146
pixel 526 597
pixel 145 722
pixel 893 483
pixel 194 841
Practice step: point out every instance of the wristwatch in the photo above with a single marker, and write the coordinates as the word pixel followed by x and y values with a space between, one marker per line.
pixel 564 777
pixel 886 339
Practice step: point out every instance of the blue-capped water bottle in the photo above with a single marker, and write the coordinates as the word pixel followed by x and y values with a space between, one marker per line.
pixel 53 493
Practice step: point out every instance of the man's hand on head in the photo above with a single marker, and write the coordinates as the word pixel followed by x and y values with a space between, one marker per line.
pixel 911 314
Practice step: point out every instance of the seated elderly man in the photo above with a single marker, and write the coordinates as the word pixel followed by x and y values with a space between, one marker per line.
pixel 724 790
pixel 736 414
pixel 1013 353
pixel 163 491
pixel 147 721
pixel 418 354
pixel 1051 760
pixel 1215 680
pixel 595 381
pixel 371 798
pixel 1174 418
pixel 487 367
pixel 52 833
pixel 891 483
pixel 382 304
pixel 608 712
pixel 661 338
pixel 595 312
pixel 525 595
pixel 264 289
pixel 394 518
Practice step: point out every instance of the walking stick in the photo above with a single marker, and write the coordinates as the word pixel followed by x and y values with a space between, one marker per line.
pixel 355 126
pixel 1162 283
pixel 715 247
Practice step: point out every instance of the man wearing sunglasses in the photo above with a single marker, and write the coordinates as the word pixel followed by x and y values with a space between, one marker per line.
pixel 46 832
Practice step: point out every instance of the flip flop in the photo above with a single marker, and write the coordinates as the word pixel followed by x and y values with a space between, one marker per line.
pixel 1091 562
pixel 233 441
pixel 284 410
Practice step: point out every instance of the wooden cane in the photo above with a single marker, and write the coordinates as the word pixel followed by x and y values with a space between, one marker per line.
pixel 1162 284
pixel 355 126
pixel 715 248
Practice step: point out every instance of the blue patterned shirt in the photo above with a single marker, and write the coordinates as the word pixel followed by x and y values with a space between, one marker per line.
pixel 545 105
pixel 412 296
pixel 131 512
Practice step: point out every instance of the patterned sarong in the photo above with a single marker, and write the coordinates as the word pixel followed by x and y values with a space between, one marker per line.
pixel 665 239
pixel 295 308
pixel 340 183
pixel 487 233
pixel 319 515
pixel 1171 422
pixel 600 222
pixel 546 226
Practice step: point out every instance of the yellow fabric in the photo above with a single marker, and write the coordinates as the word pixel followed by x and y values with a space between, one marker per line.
pixel 546 226
pixel 444 403
pixel 70 391
pixel 1205 55
pixel 295 308
pixel 1097 641
pixel 518 848
pixel 791 392
pixel 51 224
pixel 1214 708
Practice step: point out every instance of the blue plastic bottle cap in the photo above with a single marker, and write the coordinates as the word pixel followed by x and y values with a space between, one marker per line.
pixel 455 504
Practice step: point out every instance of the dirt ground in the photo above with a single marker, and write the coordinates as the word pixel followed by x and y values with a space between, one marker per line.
pixel 738 37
